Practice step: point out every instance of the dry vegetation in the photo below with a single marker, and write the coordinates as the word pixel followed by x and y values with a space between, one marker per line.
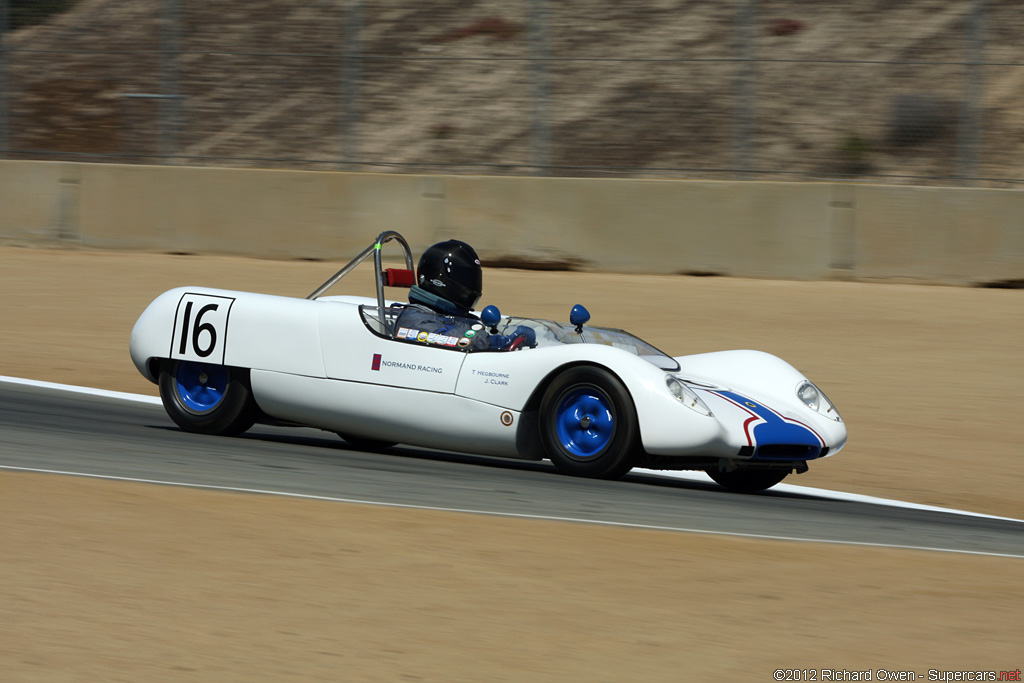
pixel 444 87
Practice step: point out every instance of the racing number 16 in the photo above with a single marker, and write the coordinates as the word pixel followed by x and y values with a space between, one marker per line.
pixel 200 327
pixel 201 324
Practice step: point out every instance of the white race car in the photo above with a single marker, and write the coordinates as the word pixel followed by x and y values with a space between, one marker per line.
pixel 595 401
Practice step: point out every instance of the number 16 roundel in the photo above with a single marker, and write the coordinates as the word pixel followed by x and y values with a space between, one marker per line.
pixel 200 328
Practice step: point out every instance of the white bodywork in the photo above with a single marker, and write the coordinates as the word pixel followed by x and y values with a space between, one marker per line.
pixel 317 363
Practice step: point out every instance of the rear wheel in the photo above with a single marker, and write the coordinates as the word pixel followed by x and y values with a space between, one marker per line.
pixel 588 424
pixel 748 479
pixel 206 398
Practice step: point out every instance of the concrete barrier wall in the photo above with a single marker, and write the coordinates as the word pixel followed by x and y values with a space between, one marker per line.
pixel 954 235
pixel 654 226
pixel 746 229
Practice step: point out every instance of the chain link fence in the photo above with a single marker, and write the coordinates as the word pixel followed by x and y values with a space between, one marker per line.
pixel 917 91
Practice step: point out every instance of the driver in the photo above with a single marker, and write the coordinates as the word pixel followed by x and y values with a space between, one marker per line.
pixel 449 284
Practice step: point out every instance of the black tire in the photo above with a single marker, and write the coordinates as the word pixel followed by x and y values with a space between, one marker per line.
pixel 748 479
pixel 367 444
pixel 207 399
pixel 588 424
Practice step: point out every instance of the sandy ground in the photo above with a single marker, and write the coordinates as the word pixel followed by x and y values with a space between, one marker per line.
pixel 105 581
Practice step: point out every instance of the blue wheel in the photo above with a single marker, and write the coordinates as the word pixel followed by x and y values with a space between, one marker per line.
pixel 588 424
pixel 584 423
pixel 201 387
pixel 206 398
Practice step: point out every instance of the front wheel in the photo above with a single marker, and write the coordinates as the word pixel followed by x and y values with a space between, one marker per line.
pixel 747 480
pixel 206 398
pixel 588 424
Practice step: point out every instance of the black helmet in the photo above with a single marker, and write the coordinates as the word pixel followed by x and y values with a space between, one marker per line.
pixel 451 270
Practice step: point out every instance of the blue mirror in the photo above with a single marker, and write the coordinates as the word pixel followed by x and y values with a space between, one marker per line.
pixel 579 316
pixel 490 316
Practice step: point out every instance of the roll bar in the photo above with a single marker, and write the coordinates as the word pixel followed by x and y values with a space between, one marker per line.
pixel 396 279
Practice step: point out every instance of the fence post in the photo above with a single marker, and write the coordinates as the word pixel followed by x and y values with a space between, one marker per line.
pixel 540 89
pixel 5 97
pixel 970 108
pixel 170 77
pixel 746 88
pixel 351 72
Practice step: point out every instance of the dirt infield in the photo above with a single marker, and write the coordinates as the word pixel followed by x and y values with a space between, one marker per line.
pixel 105 581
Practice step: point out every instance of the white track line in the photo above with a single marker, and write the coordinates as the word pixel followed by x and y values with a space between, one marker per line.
pixel 138 398
pixel 832 495
pixel 514 515
pixel 685 476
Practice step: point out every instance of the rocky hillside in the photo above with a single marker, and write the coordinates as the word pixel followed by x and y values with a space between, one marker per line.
pixel 654 88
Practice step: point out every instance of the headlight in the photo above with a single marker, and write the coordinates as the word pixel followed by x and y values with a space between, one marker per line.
pixel 686 395
pixel 810 395
pixel 814 399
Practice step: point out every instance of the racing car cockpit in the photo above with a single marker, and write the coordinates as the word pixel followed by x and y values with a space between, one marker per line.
pixel 507 333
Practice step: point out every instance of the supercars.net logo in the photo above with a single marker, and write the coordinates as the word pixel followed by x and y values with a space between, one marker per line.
pixel 376 362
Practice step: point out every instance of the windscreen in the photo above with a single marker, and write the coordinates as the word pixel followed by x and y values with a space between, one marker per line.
pixel 550 333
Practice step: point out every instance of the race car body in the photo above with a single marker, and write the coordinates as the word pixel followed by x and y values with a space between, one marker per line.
pixel 595 401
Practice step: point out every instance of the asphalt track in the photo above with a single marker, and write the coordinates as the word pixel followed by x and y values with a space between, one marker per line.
pixel 51 430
